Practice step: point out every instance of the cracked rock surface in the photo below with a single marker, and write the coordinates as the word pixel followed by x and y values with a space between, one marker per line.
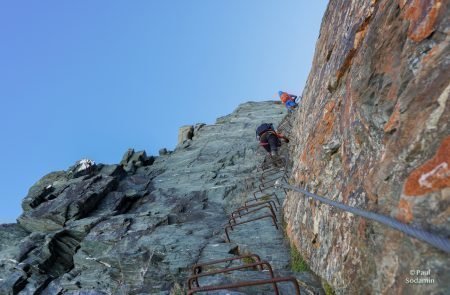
pixel 372 131
pixel 139 226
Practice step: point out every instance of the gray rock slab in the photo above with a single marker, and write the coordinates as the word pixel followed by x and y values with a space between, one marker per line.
pixel 139 227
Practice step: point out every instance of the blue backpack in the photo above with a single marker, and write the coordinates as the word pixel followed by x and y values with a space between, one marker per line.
pixel 263 128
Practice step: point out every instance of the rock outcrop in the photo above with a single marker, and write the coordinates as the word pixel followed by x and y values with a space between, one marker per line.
pixel 185 133
pixel 139 226
pixel 373 132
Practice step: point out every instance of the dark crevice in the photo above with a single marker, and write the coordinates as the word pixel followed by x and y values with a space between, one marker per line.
pixel 43 286
pixel 59 251
pixel 172 219
pixel 19 285
pixel 329 54
pixel 182 209
pixel 126 204
pixel 41 198
pixel 234 251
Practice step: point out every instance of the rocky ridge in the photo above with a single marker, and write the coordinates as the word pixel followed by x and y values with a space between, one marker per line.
pixel 137 227
pixel 371 131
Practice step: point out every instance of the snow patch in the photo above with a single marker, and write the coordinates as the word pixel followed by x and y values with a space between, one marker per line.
pixel 84 164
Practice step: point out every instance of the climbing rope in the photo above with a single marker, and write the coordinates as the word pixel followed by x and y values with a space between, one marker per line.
pixel 432 239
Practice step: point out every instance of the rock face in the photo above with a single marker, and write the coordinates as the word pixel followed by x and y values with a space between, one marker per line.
pixel 138 227
pixel 185 133
pixel 373 132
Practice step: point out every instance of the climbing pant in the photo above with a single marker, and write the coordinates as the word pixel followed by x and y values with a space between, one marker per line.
pixel 270 142
pixel 290 104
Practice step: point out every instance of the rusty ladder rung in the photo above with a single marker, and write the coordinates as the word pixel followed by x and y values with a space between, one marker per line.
pixel 197 268
pixel 247 221
pixel 246 207
pixel 260 198
pixel 249 284
pixel 195 278
pixel 240 215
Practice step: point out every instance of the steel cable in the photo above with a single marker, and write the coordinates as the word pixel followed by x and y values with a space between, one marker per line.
pixel 430 238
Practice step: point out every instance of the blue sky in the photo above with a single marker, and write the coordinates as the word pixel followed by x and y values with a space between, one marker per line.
pixel 93 78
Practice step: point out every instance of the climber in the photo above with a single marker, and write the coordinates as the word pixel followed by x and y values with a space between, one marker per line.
pixel 269 139
pixel 288 100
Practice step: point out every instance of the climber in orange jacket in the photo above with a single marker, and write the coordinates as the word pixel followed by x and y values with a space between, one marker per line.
pixel 288 100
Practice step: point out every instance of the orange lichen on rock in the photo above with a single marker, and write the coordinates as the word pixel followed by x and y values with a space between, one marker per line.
pixel 362 228
pixel 361 33
pixel 393 122
pixel 345 65
pixel 389 67
pixel 432 176
pixel 378 148
pixel 326 125
pixel 321 134
pixel 422 15
pixel 404 211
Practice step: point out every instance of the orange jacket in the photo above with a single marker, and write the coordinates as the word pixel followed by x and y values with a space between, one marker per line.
pixel 285 97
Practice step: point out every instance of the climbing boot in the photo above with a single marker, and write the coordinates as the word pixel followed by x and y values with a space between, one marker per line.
pixel 276 160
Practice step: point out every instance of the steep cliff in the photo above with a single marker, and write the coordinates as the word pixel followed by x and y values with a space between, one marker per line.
pixel 373 132
pixel 138 227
